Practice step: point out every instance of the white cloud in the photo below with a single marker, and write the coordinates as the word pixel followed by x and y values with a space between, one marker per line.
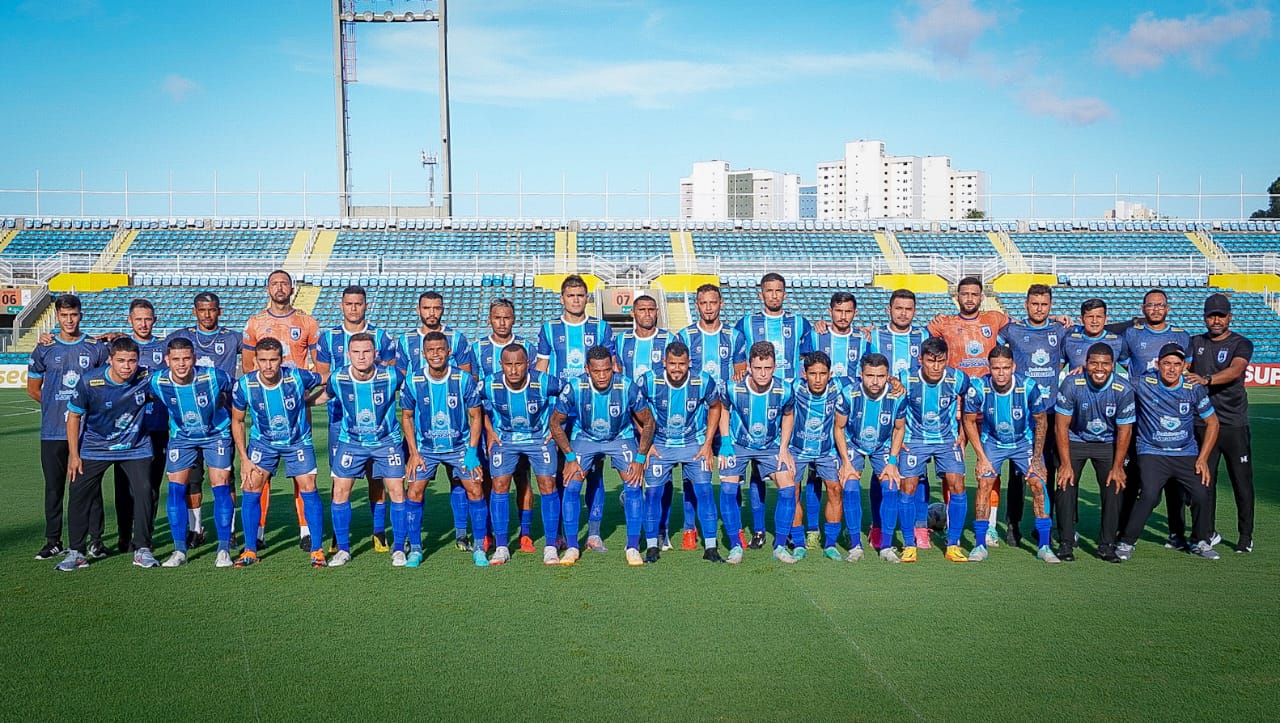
pixel 178 87
pixel 1152 41
pixel 1080 111
pixel 948 28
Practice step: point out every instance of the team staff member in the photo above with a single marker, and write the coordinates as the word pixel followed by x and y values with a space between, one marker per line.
pixel 1168 404
pixel 1218 361
pixel 1095 412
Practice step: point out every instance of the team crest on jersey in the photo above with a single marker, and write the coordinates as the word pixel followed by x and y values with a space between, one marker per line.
pixel 1053 339
pixel 885 417
pixel 140 398
pixel 379 398
pixel 84 361
pixel 911 460
pixel 290 403
pixel 452 401
pixel 202 400
pixel 295 333
pixel 589 340
pixel 157 357
pixel 219 347
pixel 655 356
pixel 1222 356
pixel 724 352
pixel 347 460
pixel 615 410
pixel 691 405
pixel 174 454
pixel 772 414
pixel 1109 410
pixel 1017 414
pixel 786 332
pixel 532 407
pixel 986 331
pixel 1184 408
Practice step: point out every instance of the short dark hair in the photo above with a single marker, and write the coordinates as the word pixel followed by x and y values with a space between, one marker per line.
pixel 205 297
pixel 969 281
pixel 933 346
pixel 999 351
pixel 573 281
pixel 762 350
pixel 598 353
pixel 142 304
pixel 514 347
pixel 123 344
pixel 902 294
pixel 67 301
pixel 356 290
pixel 705 288
pixel 366 336
pixel 772 276
pixel 677 348
pixel 430 295
pixel 179 342
pixel 1100 349
pixel 1161 292
pixel 287 275
pixel 430 336
pixel 269 343
pixel 1039 290
pixel 816 357
pixel 1091 304
pixel 843 297
pixel 643 297
pixel 875 359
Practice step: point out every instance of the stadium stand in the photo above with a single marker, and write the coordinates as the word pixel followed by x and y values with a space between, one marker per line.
pixel 923 244
pixel 399 244
pixel 44 242
pixel 1249 243
pixel 1092 243
pixel 268 244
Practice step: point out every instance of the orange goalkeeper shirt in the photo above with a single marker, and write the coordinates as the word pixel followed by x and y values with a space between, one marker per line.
pixel 969 340
pixel 297 331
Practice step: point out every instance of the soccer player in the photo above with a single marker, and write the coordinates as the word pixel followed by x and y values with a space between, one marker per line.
pixel 932 432
pixel 816 397
pixel 711 344
pixel 197 402
pixel 756 427
pixel 155 424
pixel 1036 343
pixel 274 396
pixel 1219 359
pixel 1143 339
pixel 368 438
pixel 1092 330
pixel 1006 419
pixel 791 337
pixel 608 413
pixel 518 409
pixel 869 416
pixel 297 333
pixel 641 347
pixel 52 376
pixel 562 353
pixel 686 411
pixel 487 355
pixel 104 430
pixel 441 414
pixel 218 347
pixel 1095 411
pixel 899 341
pixel 1168 404
pixel 332 349
pixel 431 318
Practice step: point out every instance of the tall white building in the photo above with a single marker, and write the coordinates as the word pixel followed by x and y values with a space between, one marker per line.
pixel 871 184
pixel 713 192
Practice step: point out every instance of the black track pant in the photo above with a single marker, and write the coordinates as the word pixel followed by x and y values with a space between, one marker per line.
pixel 86 494
pixel 1101 455
pixel 1161 473
pixel 1233 447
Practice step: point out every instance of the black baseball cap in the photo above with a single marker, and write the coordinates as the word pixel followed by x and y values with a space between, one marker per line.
pixel 1217 305
pixel 1172 349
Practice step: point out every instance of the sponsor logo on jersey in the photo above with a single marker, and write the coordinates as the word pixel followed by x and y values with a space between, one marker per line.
pixel 973 347
pixel 1040 357
pixel 1170 423
pixel 440 420
pixel 191 420
pixel 1097 426
pixel 757 430
pixel 124 420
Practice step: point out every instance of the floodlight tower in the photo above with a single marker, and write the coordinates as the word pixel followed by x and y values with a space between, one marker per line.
pixel 346 14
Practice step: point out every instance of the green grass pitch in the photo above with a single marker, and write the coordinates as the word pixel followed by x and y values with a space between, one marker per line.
pixel 1166 636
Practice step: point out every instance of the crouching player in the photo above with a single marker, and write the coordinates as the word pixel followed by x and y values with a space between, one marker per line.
pixel 605 409
pixel 363 395
pixel 869 416
pixel 813 448
pixel 997 412
pixel 756 426
pixel 275 398
pixel 685 409
pixel 932 432
pixel 199 406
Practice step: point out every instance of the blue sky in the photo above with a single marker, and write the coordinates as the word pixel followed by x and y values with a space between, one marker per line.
pixel 568 93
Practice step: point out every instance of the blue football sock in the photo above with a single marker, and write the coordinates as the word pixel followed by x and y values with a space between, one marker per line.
pixel 458 506
pixel 488 523
pixel 479 510
pixel 413 524
pixel 1044 527
pixel 550 517
pixel 313 513
pixel 888 510
pixel 957 510
pixel 176 508
pixel 783 515
pixel 706 513
pixel 906 520
pixel 500 513
pixel 652 511
pixel 668 494
pixel 571 511
pixel 756 493
pixel 877 505
pixel 399 525
pixel 797 534
pixel 526 522
pixel 812 503
pixel 341 514
pixel 922 503
pixel 689 498
pixel 251 510
pixel 731 511
pixel 830 531
pixel 379 512
pixel 851 497
pixel 633 511
pixel 223 509
pixel 980 528
pixel 595 500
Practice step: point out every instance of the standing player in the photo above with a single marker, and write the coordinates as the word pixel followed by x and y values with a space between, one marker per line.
pixel 932 431
pixel 274 396
pixel 791 337
pixel 104 430
pixel 1219 359
pixel 1092 330
pixel 332 349
pixel 365 394
pixel 756 426
pixel 487 355
pixel 1006 419
pixel 297 333
pixel 1168 404
pixel 216 347
pixel 1095 412
pixel 151 353
pixel 816 397
pixel 518 409
pixel 197 401
pixel 899 341
pixel 52 376
pixel 606 410
pixel 1036 343
pixel 869 416
pixel 686 412
pixel 562 353
pixel 641 347
pixel 441 416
